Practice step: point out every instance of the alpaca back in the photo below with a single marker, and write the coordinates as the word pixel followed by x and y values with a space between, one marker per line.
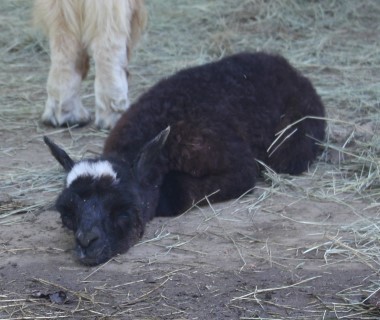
pixel 252 95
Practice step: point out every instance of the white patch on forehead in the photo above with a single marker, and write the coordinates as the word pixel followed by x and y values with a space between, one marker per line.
pixel 95 170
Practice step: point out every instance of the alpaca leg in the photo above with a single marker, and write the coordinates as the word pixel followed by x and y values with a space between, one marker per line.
pixel 69 64
pixel 205 161
pixel 111 85
pixel 180 190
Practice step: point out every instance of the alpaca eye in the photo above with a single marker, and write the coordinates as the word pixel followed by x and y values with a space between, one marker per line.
pixel 121 220
pixel 68 221
pixel 126 217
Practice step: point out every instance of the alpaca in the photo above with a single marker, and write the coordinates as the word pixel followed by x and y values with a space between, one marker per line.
pixel 196 133
pixel 106 29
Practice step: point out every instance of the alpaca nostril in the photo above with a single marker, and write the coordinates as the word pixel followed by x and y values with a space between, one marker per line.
pixel 86 238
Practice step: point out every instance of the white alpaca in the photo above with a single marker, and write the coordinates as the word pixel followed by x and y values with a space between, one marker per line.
pixel 105 29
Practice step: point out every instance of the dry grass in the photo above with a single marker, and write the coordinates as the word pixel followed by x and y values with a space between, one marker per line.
pixel 335 43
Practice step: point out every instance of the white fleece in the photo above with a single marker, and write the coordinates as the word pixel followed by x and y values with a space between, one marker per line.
pixel 95 170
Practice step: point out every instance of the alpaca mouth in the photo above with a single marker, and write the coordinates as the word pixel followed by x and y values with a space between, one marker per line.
pixel 93 257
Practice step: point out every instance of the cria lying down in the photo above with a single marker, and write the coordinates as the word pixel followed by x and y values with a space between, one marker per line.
pixel 196 133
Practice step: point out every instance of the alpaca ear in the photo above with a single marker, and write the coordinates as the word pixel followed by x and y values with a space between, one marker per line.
pixel 150 153
pixel 59 154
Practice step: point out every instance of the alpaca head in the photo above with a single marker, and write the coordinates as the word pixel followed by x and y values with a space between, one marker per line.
pixel 107 202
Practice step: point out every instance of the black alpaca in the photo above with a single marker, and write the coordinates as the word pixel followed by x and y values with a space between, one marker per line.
pixel 196 133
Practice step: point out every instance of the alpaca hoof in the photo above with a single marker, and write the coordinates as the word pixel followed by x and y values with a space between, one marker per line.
pixel 79 117
pixel 107 122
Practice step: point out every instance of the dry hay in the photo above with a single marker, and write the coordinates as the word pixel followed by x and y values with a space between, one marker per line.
pixel 335 43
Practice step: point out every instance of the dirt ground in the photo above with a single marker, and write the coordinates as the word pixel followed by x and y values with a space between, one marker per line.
pixel 284 251
pixel 225 263
pixel 195 265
